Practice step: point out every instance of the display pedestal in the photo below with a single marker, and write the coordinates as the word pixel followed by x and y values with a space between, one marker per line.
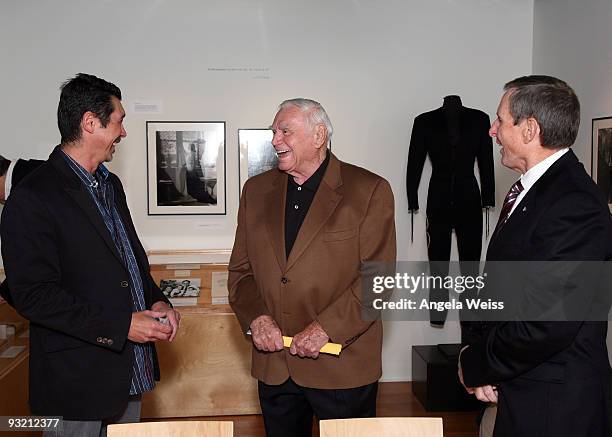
pixel 435 382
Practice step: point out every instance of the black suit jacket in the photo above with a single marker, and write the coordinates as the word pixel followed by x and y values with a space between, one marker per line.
pixel 553 377
pixel 67 278
pixel 21 169
pixel 452 181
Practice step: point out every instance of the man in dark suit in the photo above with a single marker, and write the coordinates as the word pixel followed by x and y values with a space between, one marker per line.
pixel 76 269
pixel 305 231
pixel 11 173
pixel 548 377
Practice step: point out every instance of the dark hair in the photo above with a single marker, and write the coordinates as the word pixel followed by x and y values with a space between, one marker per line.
pixel 4 165
pixel 79 95
pixel 551 102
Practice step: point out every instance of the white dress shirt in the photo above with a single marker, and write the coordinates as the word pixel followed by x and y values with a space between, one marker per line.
pixel 531 176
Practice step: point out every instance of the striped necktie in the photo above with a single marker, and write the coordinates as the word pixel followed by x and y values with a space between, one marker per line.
pixel 511 197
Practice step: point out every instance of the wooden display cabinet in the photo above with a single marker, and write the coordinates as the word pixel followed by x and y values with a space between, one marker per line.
pixel 206 370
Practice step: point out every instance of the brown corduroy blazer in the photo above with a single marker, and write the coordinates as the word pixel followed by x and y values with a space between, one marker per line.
pixel 351 221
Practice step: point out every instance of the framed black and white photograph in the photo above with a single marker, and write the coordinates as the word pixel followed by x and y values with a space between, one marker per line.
pixel 257 154
pixel 601 156
pixel 186 167
pixel 181 291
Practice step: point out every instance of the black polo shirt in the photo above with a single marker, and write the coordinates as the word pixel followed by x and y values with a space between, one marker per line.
pixel 298 201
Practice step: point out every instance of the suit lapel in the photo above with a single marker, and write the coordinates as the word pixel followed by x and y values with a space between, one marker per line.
pixel 128 224
pixel 137 249
pixel 520 212
pixel 509 236
pixel 82 198
pixel 529 203
pixel 275 201
pixel 323 205
pixel 87 205
pixel 124 213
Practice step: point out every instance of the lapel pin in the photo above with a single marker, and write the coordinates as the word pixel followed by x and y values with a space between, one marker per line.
pixel 524 208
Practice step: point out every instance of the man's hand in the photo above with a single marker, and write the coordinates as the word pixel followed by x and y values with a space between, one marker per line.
pixel 309 342
pixel 266 335
pixel 145 328
pixel 174 317
pixel 485 393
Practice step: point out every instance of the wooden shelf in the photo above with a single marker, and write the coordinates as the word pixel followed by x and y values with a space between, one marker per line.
pixel 200 256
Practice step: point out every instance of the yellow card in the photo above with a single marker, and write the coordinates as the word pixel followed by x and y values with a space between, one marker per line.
pixel 328 348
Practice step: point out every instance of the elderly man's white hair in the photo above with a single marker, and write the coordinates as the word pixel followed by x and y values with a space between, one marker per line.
pixel 315 114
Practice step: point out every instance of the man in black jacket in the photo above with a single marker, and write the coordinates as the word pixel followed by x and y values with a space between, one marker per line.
pixel 548 377
pixel 77 270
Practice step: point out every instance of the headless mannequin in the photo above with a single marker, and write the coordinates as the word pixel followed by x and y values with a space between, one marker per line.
pixel 453 137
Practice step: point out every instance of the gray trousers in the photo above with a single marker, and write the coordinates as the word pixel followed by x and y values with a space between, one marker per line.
pixel 97 428
pixel 488 421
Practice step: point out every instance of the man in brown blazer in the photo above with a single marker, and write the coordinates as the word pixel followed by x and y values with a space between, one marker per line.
pixel 304 231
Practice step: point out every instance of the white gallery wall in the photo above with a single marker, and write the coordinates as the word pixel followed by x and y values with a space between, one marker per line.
pixel 374 65
pixel 572 41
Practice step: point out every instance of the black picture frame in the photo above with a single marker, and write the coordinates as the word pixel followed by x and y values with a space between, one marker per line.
pixel 186 168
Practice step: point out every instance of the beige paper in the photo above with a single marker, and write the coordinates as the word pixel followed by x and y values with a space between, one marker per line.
pixel 219 292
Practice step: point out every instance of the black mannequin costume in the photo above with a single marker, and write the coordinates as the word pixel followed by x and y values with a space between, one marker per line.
pixel 454 137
